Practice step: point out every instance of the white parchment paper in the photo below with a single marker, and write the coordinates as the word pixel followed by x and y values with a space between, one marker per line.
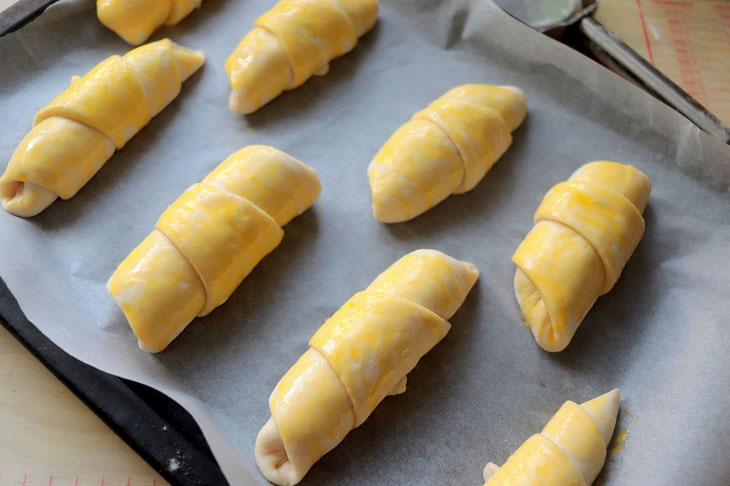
pixel 661 335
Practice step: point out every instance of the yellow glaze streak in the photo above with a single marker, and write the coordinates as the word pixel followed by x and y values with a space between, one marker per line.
pixel 509 102
pixel 213 230
pixel 373 341
pixel 59 154
pixel 274 181
pixel 110 98
pixel 311 32
pixel 77 132
pixel 555 261
pixel 417 168
pixel 359 356
pixel 311 409
pixel 479 133
pixel 606 219
pixel 570 450
pixel 538 462
pixel 428 278
pixel 161 68
pixel 575 432
pixel 444 149
pixel 135 20
pixel 222 235
pixel 627 180
pixel 585 231
pixel 157 308
pixel 292 41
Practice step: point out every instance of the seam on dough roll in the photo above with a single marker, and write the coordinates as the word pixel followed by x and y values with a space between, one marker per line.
pixel 339 379
pixel 364 394
pixel 456 147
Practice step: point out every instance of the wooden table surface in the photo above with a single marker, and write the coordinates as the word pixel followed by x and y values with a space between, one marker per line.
pixel 48 436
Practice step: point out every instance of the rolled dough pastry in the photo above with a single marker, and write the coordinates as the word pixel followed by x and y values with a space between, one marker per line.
pixel 77 132
pixel 585 231
pixel 135 20
pixel 208 240
pixel 444 149
pixel 359 356
pixel 291 42
pixel 570 450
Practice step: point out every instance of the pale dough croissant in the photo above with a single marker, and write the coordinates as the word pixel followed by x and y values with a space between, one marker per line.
pixel 208 240
pixel 135 20
pixel 291 42
pixel 585 231
pixel 77 132
pixel 359 356
pixel 444 149
pixel 570 450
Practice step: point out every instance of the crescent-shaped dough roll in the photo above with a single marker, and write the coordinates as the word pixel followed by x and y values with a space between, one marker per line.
pixel 208 240
pixel 77 132
pixel 570 450
pixel 444 149
pixel 359 356
pixel 135 20
pixel 585 231
pixel 291 42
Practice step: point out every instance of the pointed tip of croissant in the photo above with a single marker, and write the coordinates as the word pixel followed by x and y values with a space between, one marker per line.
pixel 519 108
pixel 517 91
pixel 188 60
pixel 604 410
pixel 388 209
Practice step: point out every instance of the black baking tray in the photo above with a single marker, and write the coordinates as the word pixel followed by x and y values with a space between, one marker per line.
pixel 155 426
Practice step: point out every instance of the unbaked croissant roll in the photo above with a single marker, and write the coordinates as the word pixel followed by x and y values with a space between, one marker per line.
pixel 208 240
pixel 359 356
pixel 585 231
pixel 444 149
pixel 77 132
pixel 570 450
pixel 135 20
pixel 291 42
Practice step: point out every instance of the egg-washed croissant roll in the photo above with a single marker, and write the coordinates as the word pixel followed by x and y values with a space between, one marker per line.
pixel 135 20
pixel 359 356
pixel 585 231
pixel 77 132
pixel 291 42
pixel 570 450
pixel 444 149
pixel 208 240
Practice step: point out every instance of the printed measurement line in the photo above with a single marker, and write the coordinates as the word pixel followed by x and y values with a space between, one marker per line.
pixel 646 34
